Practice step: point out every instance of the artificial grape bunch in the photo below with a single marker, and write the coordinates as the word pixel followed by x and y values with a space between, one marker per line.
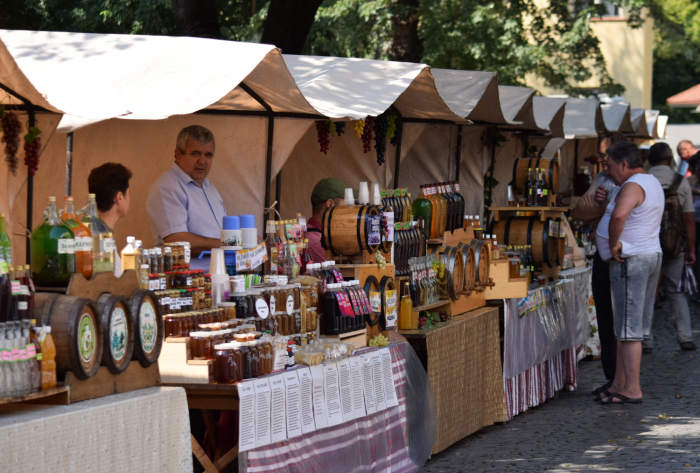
pixel 381 125
pixel 391 127
pixel 367 134
pixel 31 155
pixel 378 341
pixel 422 321
pixel 398 130
pixel 11 127
pixel 359 128
pixel 381 261
pixel 324 135
pixel 340 128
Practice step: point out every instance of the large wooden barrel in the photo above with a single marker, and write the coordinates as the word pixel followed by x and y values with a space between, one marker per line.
pixel 118 332
pixel 347 229
pixel 148 325
pixel 76 331
pixel 551 172
pixel 529 231
pixel 469 258
pixel 482 259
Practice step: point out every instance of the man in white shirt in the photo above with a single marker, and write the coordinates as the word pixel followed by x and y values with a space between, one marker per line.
pixel 628 237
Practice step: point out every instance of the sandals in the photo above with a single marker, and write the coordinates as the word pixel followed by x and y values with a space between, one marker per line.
pixel 602 395
pixel 602 388
pixel 621 399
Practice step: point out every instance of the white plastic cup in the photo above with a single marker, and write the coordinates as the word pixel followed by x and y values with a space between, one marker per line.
pixel 217 264
pixel 349 197
pixel 376 195
pixel 363 196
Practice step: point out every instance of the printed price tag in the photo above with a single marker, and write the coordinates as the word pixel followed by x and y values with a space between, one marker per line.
pixel 262 309
pixel 252 258
pixel 83 244
pixel 375 301
pixel 107 245
pixel 66 246
pixel 290 305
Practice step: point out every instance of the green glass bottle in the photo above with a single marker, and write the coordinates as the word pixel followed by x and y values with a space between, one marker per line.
pixel 53 250
pixel 422 207
pixel 5 242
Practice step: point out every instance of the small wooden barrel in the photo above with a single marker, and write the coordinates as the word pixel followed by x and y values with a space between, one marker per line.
pixel 389 319
pixel 551 172
pixel 469 258
pixel 482 259
pixel 375 299
pixel 118 332
pixel 76 331
pixel 148 323
pixel 386 245
pixel 347 229
pixel 529 231
pixel 455 272
pixel 560 243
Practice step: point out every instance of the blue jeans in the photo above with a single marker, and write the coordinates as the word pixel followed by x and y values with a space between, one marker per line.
pixel 633 289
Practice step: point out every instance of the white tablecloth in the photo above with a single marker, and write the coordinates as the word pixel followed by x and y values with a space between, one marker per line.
pixel 144 430
pixel 585 303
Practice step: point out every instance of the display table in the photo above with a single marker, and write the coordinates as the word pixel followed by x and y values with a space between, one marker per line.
pixel 463 361
pixel 584 302
pixel 144 430
pixel 395 440
pixel 541 335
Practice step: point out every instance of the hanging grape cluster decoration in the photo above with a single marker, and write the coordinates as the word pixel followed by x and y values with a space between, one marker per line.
pixel 11 128
pixel 324 130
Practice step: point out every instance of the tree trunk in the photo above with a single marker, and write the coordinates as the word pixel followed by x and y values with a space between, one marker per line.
pixel 406 45
pixel 288 24
pixel 197 18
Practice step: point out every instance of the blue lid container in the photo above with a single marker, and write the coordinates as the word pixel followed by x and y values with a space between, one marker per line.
pixel 247 221
pixel 232 223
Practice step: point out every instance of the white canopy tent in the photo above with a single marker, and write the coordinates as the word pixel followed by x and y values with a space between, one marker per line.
pixel 549 114
pixel 639 123
pixel 616 116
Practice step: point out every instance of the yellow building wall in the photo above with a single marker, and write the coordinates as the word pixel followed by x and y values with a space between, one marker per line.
pixel 628 56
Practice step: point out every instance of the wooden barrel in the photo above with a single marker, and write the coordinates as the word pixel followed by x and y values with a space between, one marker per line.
pixel 148 323
pixel 386 245
pixel 118 332
pixel 76 331
pixel 469 258
pixel 551 172
pixel 375 300
pixel 455 272
pixel 389 319
pixel 529 231
pixel 482 260
pixel 347 229
pixel 561 244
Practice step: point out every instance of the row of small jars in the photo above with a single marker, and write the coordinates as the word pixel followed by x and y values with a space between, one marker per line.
pixel 180 325
pixel 283 323
pixel 276 299
pixel 175 301
pixel 242 359
pixel 202 342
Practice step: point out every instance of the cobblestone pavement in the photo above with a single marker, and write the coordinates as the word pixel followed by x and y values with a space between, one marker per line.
pixel 574 433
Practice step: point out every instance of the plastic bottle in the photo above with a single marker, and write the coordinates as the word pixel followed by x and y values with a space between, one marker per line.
pixel 130 254
pixel 34 351
pixel 83 239
pixel 102 239
pixel 48 359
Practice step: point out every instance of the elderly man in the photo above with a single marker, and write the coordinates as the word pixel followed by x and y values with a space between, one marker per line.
pixel 686 150
pixel 628 237
pixel 183 204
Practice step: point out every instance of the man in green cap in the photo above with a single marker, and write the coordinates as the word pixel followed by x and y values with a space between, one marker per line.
pixel 327 193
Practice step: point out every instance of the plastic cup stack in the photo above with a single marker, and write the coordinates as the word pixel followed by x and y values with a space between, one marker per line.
pixel 376 195
pixel 363 196
pixel 349 197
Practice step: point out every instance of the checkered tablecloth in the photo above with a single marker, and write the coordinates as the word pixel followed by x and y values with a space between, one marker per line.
pixel 378 442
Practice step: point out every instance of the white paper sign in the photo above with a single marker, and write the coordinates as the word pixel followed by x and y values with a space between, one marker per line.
pixel 262 412
pixel 262 309
pixel 320 411
pixel 66 246
pixel 278 417
pixel 368 385
pixel 378 380
pixel 389 387
pixel 291 382
pixel 279 360
pixel 307 409
pixel 290 305
pixel 358 396
pixel 332 392
pixel 345 389
pixel 246 417
pixel 252 258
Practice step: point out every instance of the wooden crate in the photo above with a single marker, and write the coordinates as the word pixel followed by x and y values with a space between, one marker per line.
pixel 105 383
pixel 505 286
pixel 176 365
pixel 362 271
pixel 357 338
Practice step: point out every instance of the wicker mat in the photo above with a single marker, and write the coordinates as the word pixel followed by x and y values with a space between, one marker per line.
pixel 464 367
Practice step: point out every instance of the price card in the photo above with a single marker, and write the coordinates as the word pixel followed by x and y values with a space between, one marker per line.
pixel 291 382
pixel 331 389
pixel 375 301
pixel 367 384
pixel 389 387
pixel 345 389
pixel 246 417
pixel 262 412
pixel 390 314
pixel 378 380
pixel 307 409
pixel 358 396
pixel 252 258
pixel 319 397
pixel 278 417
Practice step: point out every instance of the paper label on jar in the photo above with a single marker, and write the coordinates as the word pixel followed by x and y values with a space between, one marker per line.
pixel 163 283
pixel 375 301
pixel 107 244
pixel 188 301
pixel 66 246
pixel 296 228
pixel 23 354
pixel 118 335
pixel 273 304
pixel 148 327
pixel 22 305
pixel 15 354
pixel 261 308
pixel 290 304
pixel 86 337
pixel 83 243
pixel 189 281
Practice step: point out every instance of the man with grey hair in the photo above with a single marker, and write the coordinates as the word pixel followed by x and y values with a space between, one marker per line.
pixel 183 204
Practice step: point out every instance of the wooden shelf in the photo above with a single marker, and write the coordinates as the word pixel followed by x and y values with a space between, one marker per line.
pixel 58 396
pixel 439 303
pixel 402 278
pixel 544 212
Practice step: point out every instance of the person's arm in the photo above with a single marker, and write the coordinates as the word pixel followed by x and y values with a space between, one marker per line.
pixel 197 243
pixel 586 210
pixel 689 222
pixel 629 197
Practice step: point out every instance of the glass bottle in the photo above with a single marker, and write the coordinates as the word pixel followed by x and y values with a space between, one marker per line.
pixel 423 208
pixel 542 184
pixel 408 217
pixel 102 239
pixel 442 205
pixel 5 242
pixel 167 259
pixel 28 290
pixel 48 360
pixel 53 250
pixel 531 189
pixel 330 311
pixel 450 202
pixel 83 239
pixel 460 198
pixel 129 254
pixel 271 243
pixel 406 311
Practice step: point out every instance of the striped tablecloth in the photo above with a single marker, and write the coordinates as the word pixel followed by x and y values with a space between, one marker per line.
pixel 378 442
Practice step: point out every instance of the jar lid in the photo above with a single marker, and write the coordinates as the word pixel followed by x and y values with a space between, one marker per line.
pixel 238 294
pixel 297 285
pixel 223 346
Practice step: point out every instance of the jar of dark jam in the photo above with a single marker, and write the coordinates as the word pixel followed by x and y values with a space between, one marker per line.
pixel 200 348
pixel 225 370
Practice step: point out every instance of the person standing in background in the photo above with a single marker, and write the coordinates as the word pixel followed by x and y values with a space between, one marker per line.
pixel 327 193
pixel 686 150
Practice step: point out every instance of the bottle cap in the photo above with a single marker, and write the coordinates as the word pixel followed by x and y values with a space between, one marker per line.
pixel 130 239
pixel 91 196
pixel 52 199
pixel 247 221
pixel 144 266
pixel 232 223
pixel 69 198
pixel 159 251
